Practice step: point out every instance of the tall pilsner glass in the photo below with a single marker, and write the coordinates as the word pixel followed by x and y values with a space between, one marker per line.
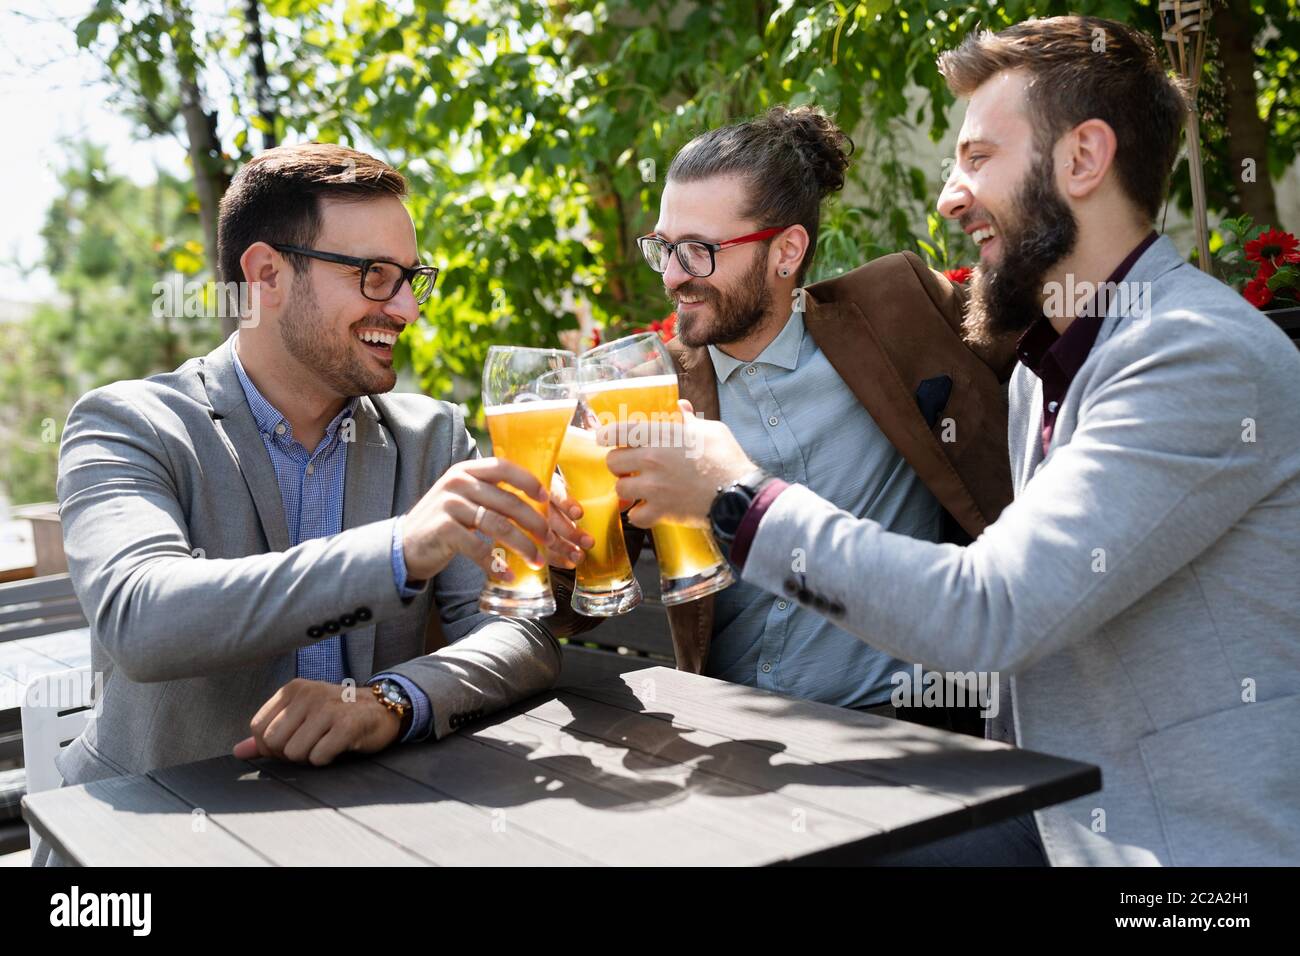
pixel 643 399
pixel 527 430
pixel 605 585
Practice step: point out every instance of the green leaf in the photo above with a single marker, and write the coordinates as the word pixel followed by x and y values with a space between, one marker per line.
pixel 1284 278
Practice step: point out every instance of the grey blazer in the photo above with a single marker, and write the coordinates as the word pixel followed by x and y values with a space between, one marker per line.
pixel 1143 587
pixel 179 553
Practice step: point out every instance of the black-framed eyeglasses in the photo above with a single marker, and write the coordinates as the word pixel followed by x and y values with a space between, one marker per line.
pixel 697 257
pixel 380 278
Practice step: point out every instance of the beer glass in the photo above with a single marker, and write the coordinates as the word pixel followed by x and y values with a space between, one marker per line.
pixel 643 399
pixel 605 585
pixel 526 429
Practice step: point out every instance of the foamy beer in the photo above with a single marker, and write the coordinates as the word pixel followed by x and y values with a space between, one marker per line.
pixel 605 585
pixel 526 429
pixel 644 400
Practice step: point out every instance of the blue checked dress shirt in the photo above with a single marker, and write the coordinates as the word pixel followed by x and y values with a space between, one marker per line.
pixel 311 489
pixel 796 419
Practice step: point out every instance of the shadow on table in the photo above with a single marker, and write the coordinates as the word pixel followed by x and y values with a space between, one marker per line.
pixel 612 753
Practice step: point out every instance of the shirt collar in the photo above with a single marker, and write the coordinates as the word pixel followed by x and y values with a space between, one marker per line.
pixel 267 416
pixel 782 351
pixel 1045 352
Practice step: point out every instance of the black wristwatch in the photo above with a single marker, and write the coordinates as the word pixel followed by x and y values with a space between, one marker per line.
pixel 731 503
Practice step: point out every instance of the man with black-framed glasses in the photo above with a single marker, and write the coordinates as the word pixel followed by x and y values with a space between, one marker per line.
pixel 860 386
pixel 266 544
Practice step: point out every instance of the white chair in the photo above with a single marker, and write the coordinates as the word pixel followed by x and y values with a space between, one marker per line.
pixel 55 709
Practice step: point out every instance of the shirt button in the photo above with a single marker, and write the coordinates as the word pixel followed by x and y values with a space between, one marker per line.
pixel 751 370
pixel 279 429
pixel 773 420
pixel 767 668
pixel 311 469
pixel 1051 407
pixel 781 605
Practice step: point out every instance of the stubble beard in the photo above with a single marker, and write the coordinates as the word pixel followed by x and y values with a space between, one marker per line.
pixel 316 345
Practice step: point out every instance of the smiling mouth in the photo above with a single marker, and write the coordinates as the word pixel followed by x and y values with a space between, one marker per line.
pixel 379 343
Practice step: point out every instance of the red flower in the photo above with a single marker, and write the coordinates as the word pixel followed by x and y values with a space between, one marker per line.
pixel 594 339
pixel 1272 244
pixel 666 329
pixel 1257 292
pixel 1266 270
pixel 958 275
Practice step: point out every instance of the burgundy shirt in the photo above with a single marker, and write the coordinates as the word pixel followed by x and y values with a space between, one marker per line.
pixel 1057 358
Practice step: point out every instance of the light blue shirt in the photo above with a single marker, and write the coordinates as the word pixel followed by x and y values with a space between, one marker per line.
pixel 796 419
pixel 311 490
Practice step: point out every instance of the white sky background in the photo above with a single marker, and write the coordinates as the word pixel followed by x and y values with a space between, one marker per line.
pixel 50 91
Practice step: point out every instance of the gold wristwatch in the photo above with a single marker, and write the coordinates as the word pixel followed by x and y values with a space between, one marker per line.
pixel 390 694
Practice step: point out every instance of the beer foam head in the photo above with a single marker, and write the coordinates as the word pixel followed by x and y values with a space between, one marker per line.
pixel 537 405
pixel 646 381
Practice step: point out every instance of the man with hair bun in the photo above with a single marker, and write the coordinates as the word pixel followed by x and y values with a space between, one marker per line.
pixel 860 387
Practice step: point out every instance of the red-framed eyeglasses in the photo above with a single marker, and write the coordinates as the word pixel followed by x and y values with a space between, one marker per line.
pixel 697 257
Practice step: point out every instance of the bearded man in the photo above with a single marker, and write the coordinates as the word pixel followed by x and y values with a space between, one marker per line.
pixel 1139 596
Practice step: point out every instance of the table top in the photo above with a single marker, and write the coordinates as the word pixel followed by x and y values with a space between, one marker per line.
pixel 652 767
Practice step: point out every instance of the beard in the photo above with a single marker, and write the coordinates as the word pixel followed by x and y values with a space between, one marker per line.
pixel 1007 298
pixel 316 344
pixel 736 313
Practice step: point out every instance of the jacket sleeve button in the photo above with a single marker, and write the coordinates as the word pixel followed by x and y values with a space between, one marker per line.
pixel 347 620
pixel 332 627
pixel 363 614
pixel 315 632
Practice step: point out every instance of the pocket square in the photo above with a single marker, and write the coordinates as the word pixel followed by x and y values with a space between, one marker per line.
pixel 931 397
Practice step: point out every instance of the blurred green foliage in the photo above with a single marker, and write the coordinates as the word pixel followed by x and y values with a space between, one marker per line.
pixel 108 241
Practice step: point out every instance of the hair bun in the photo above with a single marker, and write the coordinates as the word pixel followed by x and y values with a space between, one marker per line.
pixel 824 148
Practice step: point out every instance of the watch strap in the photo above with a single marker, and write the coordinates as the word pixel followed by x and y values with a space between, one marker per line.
pixel 753 516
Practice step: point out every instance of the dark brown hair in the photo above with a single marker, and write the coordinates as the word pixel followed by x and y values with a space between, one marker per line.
pixel 276 197
pixel 1085 68
pixel 789 158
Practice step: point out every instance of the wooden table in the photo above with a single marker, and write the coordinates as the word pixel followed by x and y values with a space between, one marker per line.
pixel 652 767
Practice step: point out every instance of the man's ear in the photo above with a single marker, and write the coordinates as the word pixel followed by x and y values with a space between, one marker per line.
pixel 788 251
pixel 1087 154
pixel 269 272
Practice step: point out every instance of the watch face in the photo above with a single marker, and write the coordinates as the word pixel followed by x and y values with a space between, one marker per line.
pixel 731 508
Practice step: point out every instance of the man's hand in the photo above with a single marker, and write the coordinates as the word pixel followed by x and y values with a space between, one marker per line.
pixel 311 721
pixel 564 546
pixel 676 483
pixel 465 499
